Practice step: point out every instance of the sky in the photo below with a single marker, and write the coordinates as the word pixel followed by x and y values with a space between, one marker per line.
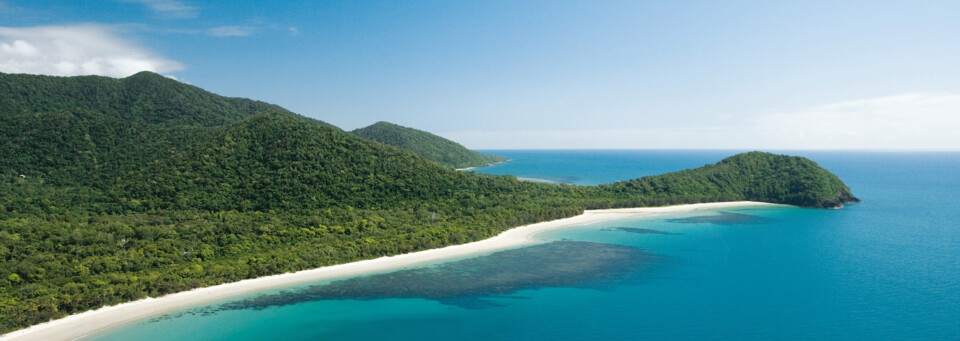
pixel 769 75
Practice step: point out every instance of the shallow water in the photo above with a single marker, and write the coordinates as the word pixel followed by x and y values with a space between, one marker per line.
pixel 722 218
pixel 467 283
pixel 888 268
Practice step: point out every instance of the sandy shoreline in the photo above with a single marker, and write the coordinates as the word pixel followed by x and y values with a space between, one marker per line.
pixel 94 321
pixel 487 165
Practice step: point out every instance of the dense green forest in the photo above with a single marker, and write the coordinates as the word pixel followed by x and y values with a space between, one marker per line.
pixel 427 145
pixel 112 190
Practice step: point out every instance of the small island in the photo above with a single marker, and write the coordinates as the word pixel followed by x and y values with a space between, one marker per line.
pixel 113 190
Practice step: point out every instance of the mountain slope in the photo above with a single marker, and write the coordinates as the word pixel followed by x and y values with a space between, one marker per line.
pixel 427 145
pixel 144 97
pixel 116 189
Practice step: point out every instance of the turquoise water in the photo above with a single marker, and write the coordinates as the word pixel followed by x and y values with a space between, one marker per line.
pixel 888 269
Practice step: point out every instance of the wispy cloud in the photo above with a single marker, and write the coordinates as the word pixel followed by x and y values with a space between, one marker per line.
pixel 232 31
pixel 906 121
pixel 694 137
pixel 169 8
pixel 76 50
pixel 293 31
pixel 912 121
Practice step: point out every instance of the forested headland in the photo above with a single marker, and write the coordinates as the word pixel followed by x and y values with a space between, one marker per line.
pixel 112 190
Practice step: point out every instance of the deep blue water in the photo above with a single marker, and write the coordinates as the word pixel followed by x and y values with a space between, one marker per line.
pixel 888 268
pixel 592 167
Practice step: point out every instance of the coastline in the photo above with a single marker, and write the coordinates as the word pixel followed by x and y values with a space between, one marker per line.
pixel 94 321
pixel 486 165
pixel 543 181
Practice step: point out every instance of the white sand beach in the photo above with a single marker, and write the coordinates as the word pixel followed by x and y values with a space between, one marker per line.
pixel 487 165
pixel 90 322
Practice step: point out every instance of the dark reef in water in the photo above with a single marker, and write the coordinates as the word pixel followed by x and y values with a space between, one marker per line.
pixel 641 231
pixel 724 218
pixel 466 283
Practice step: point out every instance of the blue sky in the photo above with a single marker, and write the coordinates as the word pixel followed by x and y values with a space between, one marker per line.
pixel 540 74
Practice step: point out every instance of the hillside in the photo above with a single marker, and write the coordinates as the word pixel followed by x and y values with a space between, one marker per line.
pixel 145 97
pixel 116 189
pixel 427 145
pixel 755 176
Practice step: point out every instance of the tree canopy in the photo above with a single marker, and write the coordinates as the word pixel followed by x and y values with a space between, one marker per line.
pixel 426 145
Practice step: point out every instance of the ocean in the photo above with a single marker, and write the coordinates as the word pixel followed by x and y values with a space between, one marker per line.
pixel 884 269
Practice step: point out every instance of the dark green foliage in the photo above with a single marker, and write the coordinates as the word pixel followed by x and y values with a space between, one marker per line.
pixel 112 190
pixel 145 97
pixel 755 176
pixel 427 145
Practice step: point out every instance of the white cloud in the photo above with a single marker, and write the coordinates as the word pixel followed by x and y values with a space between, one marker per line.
pixel 293 31
pixel 907 121
pixel 19 48
pixel 232 31
pixel 169 8
pixel 76 50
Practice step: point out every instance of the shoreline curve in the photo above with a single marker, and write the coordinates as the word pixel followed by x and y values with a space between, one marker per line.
pixel 99 320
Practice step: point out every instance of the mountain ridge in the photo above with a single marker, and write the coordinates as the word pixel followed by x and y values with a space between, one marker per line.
pixel 427 145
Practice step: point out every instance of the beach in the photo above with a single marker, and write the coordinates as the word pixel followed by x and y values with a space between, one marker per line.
pixel 94 321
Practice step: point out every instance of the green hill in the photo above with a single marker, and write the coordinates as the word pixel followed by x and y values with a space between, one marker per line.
pixel 427 145
pixel 755 176
pixel 112 190
pixel 145 97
